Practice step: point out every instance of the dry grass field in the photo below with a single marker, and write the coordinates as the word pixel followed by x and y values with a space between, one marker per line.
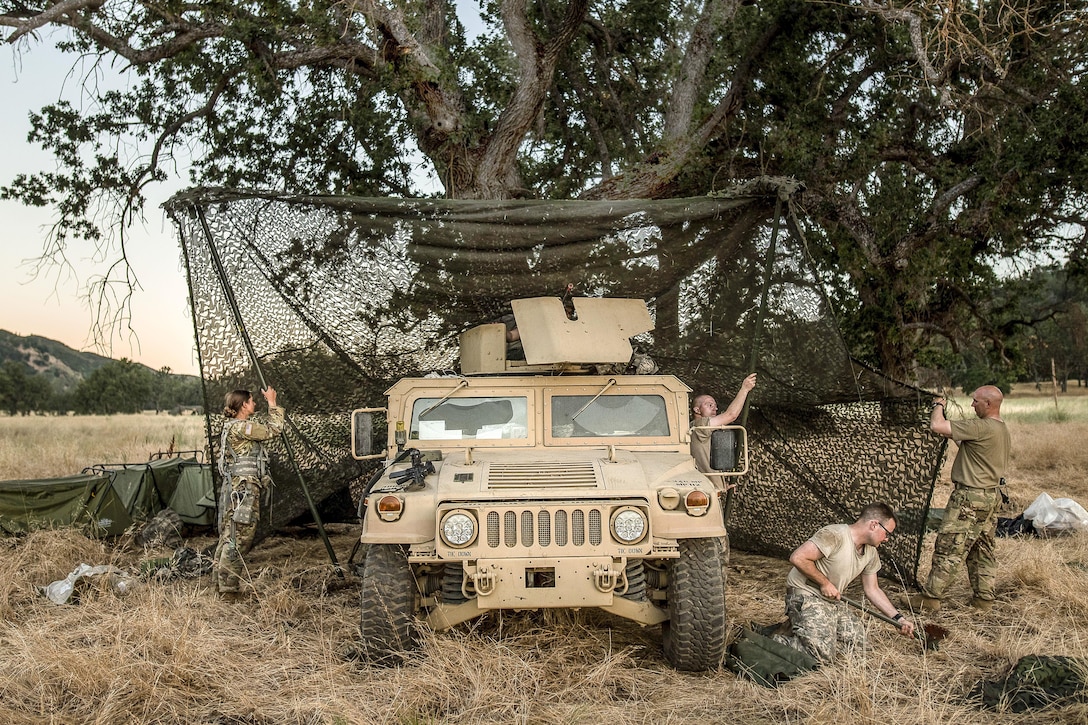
pixel 52 446
pixel 172 652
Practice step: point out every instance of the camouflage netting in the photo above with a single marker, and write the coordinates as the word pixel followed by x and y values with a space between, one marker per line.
pixel 331 299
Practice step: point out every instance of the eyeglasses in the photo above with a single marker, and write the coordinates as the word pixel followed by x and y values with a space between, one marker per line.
pixel 883 527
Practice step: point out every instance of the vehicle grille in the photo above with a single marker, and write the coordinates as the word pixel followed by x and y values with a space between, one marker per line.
pixel 544 527
pixel 579 474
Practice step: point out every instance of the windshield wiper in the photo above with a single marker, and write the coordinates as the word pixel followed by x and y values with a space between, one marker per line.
pixel 444 398
pixel 609 384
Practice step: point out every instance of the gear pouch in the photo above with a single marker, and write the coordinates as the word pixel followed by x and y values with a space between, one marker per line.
pixel 243 508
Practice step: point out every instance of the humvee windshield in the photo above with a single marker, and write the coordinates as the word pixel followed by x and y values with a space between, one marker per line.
pixel 480 418
pixel 608 415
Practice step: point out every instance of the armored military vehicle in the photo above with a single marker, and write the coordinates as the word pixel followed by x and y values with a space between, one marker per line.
pixel 554 481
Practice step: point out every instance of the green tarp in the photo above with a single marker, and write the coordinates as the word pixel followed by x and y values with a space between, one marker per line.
pixel 88 502
pixel 146 488
pixel 106 499
pixel 194 498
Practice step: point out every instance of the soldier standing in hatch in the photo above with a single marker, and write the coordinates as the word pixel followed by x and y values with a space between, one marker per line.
pixel 705 413
pixel 970 518
pixel 243 463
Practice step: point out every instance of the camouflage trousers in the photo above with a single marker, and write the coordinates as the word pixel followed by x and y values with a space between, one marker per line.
pixel 236 537
pixel 967 532
pixel 820 627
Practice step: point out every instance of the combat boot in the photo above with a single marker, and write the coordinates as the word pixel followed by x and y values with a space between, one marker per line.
pixel 982 605
pixel 921 603
pixel 784 628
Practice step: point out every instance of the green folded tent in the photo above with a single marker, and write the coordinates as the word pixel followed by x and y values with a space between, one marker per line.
pixel 194 495
pixel 182 484
pixel 88 502
pixel 145 488
pixel 107 498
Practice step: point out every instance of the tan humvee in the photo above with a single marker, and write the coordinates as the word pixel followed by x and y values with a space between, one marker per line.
pixel 536 483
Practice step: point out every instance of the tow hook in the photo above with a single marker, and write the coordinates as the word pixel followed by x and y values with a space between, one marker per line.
pixel 605 579
pixel 484 580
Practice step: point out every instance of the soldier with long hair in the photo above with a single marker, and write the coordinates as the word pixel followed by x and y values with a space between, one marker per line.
pixel 243 463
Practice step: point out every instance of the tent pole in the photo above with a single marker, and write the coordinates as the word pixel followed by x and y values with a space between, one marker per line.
pixel 757 333
pixel 228 292
pixel 196 339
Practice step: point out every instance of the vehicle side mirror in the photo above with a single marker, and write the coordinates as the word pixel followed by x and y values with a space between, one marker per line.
pixel 727 449
pixel 362 434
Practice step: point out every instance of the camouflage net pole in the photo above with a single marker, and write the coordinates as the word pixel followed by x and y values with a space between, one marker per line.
pixel 228 293
pixel 341 296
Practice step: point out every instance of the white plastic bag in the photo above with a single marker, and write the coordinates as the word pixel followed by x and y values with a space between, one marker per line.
pixel 1056 515
pixel 59 592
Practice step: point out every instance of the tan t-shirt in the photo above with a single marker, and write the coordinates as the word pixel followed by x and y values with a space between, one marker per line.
pixel 700 445
pixel 983 457
pixel 841 563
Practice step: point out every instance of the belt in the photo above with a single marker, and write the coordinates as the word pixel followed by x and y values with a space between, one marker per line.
pixel 975 488
pixel 791 590
pixel 246 466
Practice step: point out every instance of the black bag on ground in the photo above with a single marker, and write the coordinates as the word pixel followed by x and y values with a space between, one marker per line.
pixel 766 661
pixel 1015 527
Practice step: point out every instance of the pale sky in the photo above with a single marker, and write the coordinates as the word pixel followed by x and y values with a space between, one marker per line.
pixel 54 304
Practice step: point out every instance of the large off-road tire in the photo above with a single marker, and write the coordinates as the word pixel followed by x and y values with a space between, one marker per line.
pixel 388 605
pixel 636 581
pixel 694 637
pixel 451 584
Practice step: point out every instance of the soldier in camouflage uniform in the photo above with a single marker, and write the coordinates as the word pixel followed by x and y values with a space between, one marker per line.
pixel 823 566
pixel 970 518
pixel 243 463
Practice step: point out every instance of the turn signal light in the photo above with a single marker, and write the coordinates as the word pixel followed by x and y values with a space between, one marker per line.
pixel 390 507
pixel 697 502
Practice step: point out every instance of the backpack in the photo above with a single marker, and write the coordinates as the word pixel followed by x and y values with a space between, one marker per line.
pixel 766 661
pixel 1035 682
pixel 1015 527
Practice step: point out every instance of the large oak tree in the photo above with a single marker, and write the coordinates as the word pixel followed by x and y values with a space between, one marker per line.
pixel 934 140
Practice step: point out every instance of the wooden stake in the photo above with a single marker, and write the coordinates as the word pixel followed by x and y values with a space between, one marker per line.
pixel 1054 383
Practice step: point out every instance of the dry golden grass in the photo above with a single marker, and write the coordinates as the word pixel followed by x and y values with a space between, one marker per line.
pixel 41 446
pixel 174 653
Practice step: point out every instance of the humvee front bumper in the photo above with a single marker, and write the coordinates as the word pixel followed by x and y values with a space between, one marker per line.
pixel 542 583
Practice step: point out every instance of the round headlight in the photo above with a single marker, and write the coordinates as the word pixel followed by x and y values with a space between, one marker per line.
pixel 458 529
pixel 629 526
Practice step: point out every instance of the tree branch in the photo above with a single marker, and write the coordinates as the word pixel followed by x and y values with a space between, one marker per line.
pixel 649 179
pixel 345 53
pixel 497 170
pixel 436 109
pixel 914 29
pixel 27 23
pixel 697 55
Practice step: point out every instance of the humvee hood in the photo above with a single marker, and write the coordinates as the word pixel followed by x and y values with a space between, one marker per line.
pixel 592 471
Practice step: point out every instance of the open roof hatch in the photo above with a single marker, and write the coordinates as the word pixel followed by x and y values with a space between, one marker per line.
pixel 598 331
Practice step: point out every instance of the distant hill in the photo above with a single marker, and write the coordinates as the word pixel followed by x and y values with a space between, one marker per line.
pixel 63 366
